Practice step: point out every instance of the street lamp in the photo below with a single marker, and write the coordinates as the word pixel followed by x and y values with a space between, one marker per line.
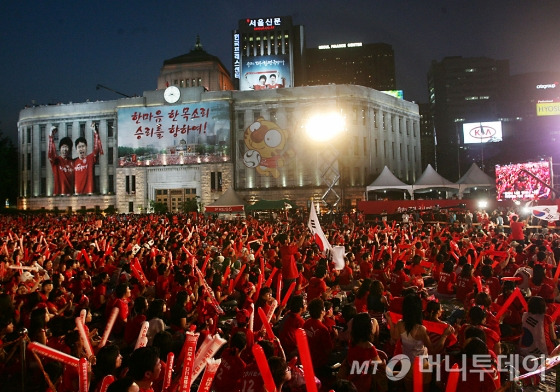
pixel 324 129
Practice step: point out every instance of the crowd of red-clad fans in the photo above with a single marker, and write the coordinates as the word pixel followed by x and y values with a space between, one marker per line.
pixel 109 303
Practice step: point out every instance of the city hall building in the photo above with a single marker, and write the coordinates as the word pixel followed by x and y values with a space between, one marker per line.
pixel 194 137
pixel 177 143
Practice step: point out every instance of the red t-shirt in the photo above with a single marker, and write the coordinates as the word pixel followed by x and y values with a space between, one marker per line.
pixel 317 287
pixel 229 374
pixel 446 282
pixel 287 334
pixel 397 282
pixel 289 267
pixel 84 169
pixel 464 285
pixel 63 171
pixel 362 382
pixel 252 380
pixel 319 340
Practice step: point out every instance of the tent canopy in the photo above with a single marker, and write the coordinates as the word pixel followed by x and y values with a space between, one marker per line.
pixel 432 179
pixel 263 205
pixel 227 203
pixel 387 180
pixel 475 177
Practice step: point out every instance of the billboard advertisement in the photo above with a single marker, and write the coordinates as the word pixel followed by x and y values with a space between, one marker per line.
pixel 548 109
pixel 174 135
pixel 482 132
pixel 74 176
pixel 265 72
pixel 514 182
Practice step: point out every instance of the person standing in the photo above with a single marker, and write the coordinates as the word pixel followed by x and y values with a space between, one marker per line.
pixel 62 165
pixel 517 230
pixel 84 165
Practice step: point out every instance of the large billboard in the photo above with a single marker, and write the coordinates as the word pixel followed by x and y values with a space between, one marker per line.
pixel 517 181
pixel 482 132
pixel 174 135
pixel 265 72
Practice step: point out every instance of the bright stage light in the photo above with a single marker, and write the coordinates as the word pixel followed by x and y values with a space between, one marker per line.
pixel 482 203
pixel 324 127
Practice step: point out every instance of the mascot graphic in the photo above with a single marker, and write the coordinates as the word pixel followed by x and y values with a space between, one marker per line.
pixel 266 147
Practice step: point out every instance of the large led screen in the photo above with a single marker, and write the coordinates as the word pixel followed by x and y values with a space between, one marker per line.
pixel 174 135
pixel 265 72
pixel 482 132
pixel 517 181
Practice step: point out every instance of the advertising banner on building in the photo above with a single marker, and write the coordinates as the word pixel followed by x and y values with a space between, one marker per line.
pixel 174 135
pixel 265 72
pixel 482 132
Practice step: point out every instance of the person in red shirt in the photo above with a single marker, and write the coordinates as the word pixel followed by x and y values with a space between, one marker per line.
pixel 517 230
pixel 252 380
pixel 365 266
pixel 317 286
pixel 62 165
pixel 122 295
pixel 84 165
pixel 361 350
pixel 144 366
pixel 288 250
pixel 318 337
pixel 477 318
pixel 133 326
pixel 292 322
pixel 465 283
pixel 230 372
pixel 446 279
pixel 398 279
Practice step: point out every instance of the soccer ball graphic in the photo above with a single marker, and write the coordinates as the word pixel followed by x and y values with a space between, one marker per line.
pixel 252 158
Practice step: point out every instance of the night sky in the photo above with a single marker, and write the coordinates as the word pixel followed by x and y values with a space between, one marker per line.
pixel 58 51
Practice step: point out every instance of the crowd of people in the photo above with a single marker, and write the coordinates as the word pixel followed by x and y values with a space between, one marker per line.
pixel 415 290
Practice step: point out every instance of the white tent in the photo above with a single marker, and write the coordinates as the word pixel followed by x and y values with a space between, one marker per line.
pixel 228 203
pixel 475 177
pixel 431 179
pixel 387 180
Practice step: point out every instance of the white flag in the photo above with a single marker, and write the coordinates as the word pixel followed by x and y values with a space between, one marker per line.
pixel 338 257
pixel 547 213
pixel 318 235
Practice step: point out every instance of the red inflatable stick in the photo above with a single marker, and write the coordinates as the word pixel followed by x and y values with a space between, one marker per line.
pixel 209 374
pixel 288 294
pixel 306 363
pixel 188 353
pixel 107 380
pixel 108 327
pixel 262 363
pixel 516 294
pixel 83 369
pixel 47 351
pixel 417 378
pixel 266 324
pixel 453 378
pixel 168 372
pixel 269 279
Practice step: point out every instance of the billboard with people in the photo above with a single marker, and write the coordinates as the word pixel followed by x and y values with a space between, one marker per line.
pixel 74 176
pixel 265 72
pixel 524 181
pixel 174 135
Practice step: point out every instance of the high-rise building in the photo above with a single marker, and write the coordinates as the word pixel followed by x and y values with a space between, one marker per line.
pixel 268 53
pixel 427 136
pixel 369 65
pixel 464 90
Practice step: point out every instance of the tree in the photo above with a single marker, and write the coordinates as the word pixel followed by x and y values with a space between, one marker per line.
pixel 8 170
pixel 158 208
